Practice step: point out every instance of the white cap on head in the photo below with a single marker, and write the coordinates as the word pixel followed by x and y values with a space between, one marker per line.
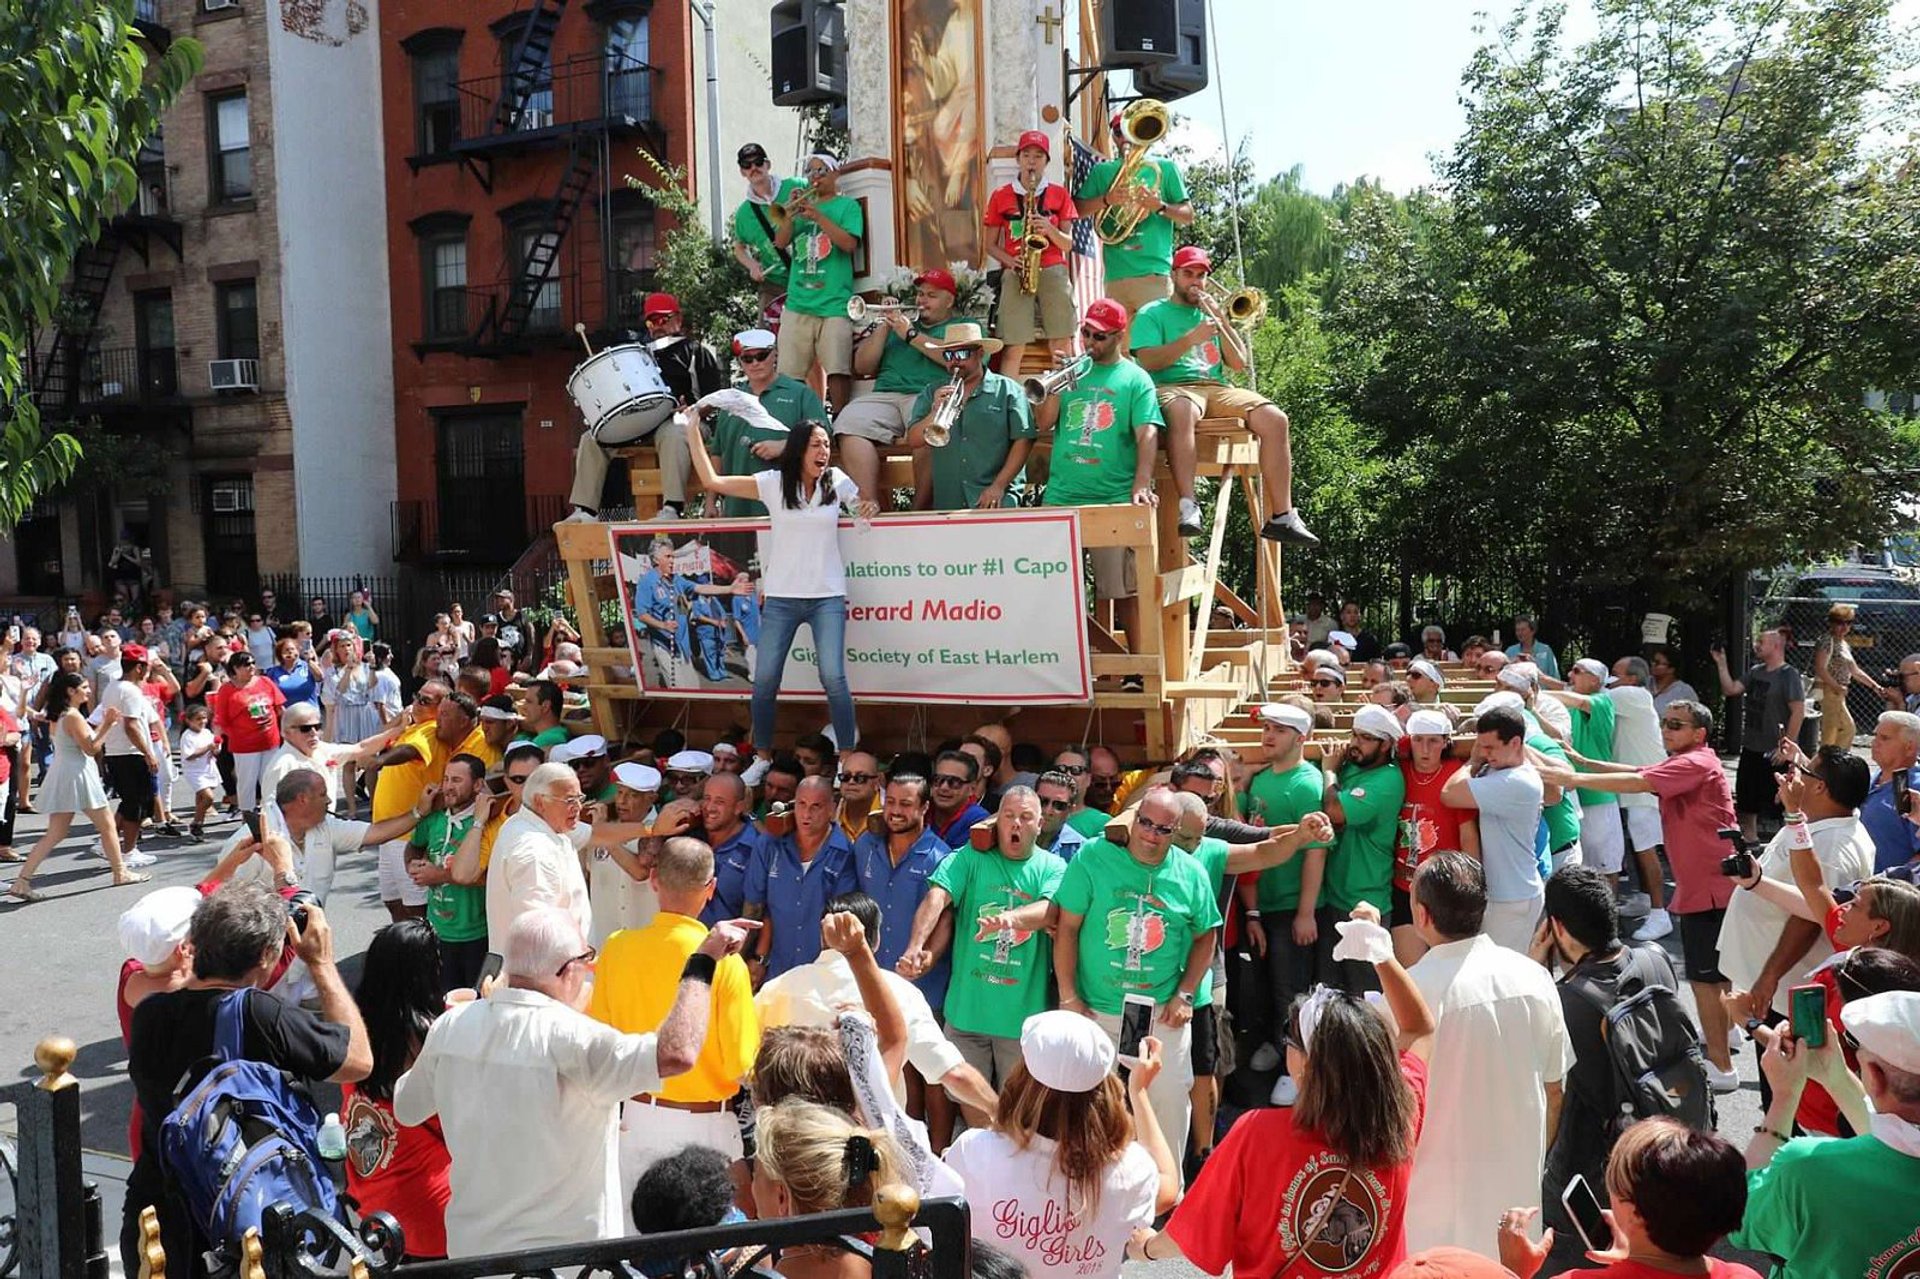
pixel 1378 721
pixel 636 776
pixel 1065 1051
pixel 588 744
pixel 1320 657
pixel 725 750
pixel 1281 715
pixel 754 340
pixel 1886 1025
pixel 1421 666
pixel 1523 676
pixel 1593 667
pixel 1331 672
pixel 497 712
pixel 1344 639
pixel 690 762
pixel 1494 701
pixel 153 927
pixel 1426 723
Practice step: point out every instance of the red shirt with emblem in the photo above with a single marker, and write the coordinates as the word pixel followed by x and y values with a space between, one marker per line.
pixel 1437 826
pixel 1266 1184
pixel 399 1170
pixel 248 715
pixel 1003 211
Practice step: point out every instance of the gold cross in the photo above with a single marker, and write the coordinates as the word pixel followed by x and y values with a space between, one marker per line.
pixel 1050 21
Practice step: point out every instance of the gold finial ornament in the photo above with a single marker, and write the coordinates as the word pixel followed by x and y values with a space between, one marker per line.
pixel 53 1055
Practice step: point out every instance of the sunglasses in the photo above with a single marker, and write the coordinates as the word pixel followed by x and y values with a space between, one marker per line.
pixel 683 779
pixel 1146 823
pixel 944 780
pixel 1072 770
pixel 666 317
pixel 1676 725
pixel 1096 335
pixel 755 357
pixel 421 699
pixel 1057 805
pixel 304 728
pixel 518 779
pixel 964 353
pixel 586 957
pixel 858 779
pixel 1329 683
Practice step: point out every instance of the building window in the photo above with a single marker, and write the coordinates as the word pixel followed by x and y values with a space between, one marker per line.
pixel 226 506
pixel 629 87
pixel 535 75
pixel 443 268
pixel 631 274
pixel 232 168
pixel 481 475
pixel 436 96
pixel 153 334
pixel 237 319
pixel 150 169
pixel 536 252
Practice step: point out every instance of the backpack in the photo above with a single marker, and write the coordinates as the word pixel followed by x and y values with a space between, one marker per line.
pixel 1658 1065
pixel 241 1138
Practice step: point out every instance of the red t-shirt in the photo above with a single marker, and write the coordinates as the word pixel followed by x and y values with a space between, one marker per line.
pixel 1263 1188
pixel 128 970
pixel 395 1169
pixel 248 715
pixel 499 679
pixel 1003 210
pixel 1695 804
pixel 161 695
pixel 1716 1269
pixel 1438 825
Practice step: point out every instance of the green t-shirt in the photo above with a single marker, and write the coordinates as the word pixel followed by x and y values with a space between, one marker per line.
pixel 1094 450
pixel 791 402
pixel 1149 251
pixel 1212 856
pixel 1160 322
pixel 821 280
pixel 903 370
pixel 1361 868
pixel 1282 799
pixel 1563 818
pixel 759 239
pixel 1000 982
pixel 1593 737
pixel 1138 922
pixel 456 912
pixel 546 739
pixel 996 415
pixel 1835 1207
pixel 1090 822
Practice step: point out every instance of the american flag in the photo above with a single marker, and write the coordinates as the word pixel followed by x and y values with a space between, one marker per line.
pixel 1089 274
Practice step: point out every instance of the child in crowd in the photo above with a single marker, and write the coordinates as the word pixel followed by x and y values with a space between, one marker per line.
pixel 200 765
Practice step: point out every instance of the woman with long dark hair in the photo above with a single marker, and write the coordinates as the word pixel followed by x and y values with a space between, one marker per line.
pixel 392 1168
pixel 73 782
pixel 803 579
pixel 488 657
pixel 1320 1187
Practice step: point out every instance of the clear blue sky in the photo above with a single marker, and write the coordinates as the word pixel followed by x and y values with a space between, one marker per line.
pixel 1368 87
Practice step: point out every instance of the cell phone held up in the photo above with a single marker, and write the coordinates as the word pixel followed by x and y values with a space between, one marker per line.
pixel 1588 1218
pixel 1739 863
pixel 1136 1023
pixel 1807 1014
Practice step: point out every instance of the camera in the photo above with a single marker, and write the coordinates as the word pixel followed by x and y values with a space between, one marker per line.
pixel 297 903
pixel 1739 865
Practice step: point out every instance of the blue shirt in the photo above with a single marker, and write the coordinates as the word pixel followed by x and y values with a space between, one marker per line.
pixel 1895 839
pixel 961 830
pixel 796 896
pixel 1067 843
pixel 297 683
pixel 657 595
pixel 731 861
pixel 899 890
pixel 746 611
pixel 1542 656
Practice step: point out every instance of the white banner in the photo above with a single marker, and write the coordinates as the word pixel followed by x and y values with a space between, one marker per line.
pixel 976 607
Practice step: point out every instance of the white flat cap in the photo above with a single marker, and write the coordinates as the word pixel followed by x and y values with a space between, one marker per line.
pixel 1886 1025
pixel 1426 723
pixel 1421 666
pixel 154 926
pixel 1378 721
pixel 690 762
pixel 1520 675
pixel 1065 1051
pixel 1281 715
pixel 1503 698
pixel 636 776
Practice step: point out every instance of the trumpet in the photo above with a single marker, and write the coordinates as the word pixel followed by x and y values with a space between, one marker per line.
pixel 1142 124
pixel 940 431
pixel 1243 306
pixel 1043 388
pixel 859 309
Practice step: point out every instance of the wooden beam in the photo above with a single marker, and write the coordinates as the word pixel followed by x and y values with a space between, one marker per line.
pixel 1203 619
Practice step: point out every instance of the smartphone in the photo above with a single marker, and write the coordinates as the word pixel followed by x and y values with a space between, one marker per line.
pixel 1584 1209
pixel 1136 1023
pixel 1807 1013
pixel 490 969
pixel 252 819
pixel 498 785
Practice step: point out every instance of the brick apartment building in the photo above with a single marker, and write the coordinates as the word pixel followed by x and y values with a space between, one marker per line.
pixel 233 317
pixel 509 132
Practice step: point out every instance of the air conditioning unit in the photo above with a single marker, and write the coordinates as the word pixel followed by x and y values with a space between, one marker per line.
pixel 214 6
pixel 532 118
pixel 226 499
pixel 233 375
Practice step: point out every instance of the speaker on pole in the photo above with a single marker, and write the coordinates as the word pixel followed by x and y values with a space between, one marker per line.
pixel 1138 33
pixel 808 52
pixel 1186 72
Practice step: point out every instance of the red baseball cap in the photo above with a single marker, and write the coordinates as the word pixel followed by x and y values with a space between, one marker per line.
pixel 1193 255
pixel 132 653
pixel 1034 138
pixel 937 278
pixel 660 304
pixel 1107 315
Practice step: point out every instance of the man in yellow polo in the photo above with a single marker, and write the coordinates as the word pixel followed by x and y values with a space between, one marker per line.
pixel 414 762
pixel 634 987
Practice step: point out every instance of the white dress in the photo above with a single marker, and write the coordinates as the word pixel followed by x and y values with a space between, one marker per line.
pixel 72 783
pixel 351 696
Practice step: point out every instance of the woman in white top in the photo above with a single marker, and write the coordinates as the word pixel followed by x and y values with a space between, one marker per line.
pixel 1066 1172
pixel 803 579
pixel 73 782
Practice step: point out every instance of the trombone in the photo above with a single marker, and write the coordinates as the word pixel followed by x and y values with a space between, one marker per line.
pixel 1044 387
pixel 1143 123
pixel 1244 307
pixel 859 309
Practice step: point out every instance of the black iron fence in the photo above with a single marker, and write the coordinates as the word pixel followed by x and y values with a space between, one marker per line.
pixel 51 1223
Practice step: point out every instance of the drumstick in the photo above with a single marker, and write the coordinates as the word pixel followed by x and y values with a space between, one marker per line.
pixel 581 329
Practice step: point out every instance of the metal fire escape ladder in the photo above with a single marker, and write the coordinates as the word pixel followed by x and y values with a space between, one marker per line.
pixel 530 67
pixel 536 268
pixel 56 379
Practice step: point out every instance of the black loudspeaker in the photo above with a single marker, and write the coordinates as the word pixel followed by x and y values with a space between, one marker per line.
pixel 1139 33
pixel 809 52
pixel 1187 72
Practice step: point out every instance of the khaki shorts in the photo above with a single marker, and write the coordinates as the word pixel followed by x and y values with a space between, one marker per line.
pixel 1136 292
pixel 806 338
pixel 1054 303
pixel 1113 572
pixel 1213 399
pixel 881 416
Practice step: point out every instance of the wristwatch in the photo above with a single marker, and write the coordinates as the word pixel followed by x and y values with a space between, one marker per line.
pixel 1184 996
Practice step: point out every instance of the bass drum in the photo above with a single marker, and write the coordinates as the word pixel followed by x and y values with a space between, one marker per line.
pixel 621 395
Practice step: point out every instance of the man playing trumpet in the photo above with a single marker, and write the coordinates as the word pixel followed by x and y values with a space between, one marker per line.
pixel 983 460
pixel 822 232
pixel 1026 235
pixel 902 355
pixel 1184 341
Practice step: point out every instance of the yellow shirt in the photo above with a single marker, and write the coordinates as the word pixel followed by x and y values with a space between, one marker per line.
pixel 399 787
pixel 856 826
pixel 634 986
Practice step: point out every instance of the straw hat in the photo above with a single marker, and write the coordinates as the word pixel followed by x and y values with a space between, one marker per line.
pixel 969 334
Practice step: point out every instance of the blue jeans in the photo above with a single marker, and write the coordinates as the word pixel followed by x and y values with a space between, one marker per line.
pixel 780 618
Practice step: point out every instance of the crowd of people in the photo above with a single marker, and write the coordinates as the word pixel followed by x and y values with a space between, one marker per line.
pixel 675 984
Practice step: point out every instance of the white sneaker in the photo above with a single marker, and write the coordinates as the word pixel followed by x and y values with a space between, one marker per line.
pixel 1659 924
pixel 136 859
pixel 581 515
pixel 668 514
pixel 756 772
pixel 1285 1091
pixel 1190 525
pixel 1722 1080
pixel 1736 1039
pixel 1264 1058
pixel 1635 904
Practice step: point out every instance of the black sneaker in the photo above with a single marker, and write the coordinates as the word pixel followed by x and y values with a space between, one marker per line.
pixel 1288 527
pixel 1133 684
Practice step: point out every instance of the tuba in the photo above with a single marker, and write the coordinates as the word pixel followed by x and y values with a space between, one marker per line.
pixel 1143 123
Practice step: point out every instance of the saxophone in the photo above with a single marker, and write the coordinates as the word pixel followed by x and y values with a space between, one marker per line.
pixel 1033 241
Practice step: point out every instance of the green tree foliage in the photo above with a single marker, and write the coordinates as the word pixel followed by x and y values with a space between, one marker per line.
pixel 716 294
pixel 1635 337
pixel 78 96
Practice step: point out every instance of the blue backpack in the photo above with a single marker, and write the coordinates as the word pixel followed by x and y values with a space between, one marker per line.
pixel 242 1138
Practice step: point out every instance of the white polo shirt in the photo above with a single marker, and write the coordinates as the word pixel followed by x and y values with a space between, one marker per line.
pixel 533 866
pixel 1636 736
pixel 1752 924
pixel 802 549
pixel 816 994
